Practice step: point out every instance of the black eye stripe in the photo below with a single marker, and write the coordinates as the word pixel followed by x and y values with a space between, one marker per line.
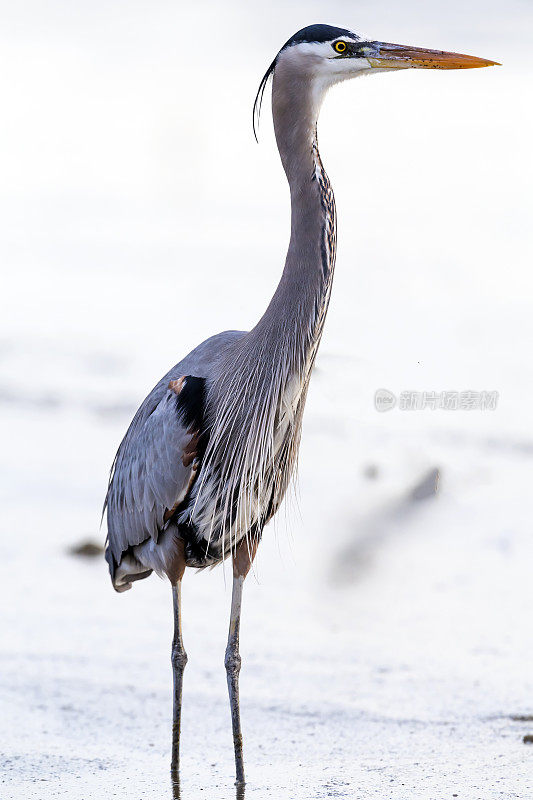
pixel 353 49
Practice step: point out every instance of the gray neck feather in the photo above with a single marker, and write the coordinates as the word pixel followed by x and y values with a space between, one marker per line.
pixel 275 359
pixel 303 291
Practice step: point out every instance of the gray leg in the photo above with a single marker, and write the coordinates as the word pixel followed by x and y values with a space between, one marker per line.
pixel 179 659
pixel 233 667
pixel 242 561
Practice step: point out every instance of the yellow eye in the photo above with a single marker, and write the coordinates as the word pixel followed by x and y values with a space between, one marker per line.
pixel 340 47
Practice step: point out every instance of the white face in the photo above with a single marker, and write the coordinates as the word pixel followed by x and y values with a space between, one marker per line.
pixel 330 62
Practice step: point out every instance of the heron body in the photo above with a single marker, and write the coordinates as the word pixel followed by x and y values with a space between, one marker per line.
pixel 246 412
pixel 209 455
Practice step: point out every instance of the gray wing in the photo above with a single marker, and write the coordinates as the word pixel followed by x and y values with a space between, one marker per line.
pixel 158 459
pixel 155 465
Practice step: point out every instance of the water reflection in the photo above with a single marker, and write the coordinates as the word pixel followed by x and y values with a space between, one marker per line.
pixel 176 792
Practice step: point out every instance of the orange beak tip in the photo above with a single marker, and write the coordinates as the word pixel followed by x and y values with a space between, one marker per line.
pixel 486 63
pixel 400 56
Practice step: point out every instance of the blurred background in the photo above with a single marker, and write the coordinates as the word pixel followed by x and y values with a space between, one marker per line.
pixel 386 636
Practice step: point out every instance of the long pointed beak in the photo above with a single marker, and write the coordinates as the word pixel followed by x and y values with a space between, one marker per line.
pixel 399 56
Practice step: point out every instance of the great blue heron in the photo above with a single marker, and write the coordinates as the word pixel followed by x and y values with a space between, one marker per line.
pixel 208 456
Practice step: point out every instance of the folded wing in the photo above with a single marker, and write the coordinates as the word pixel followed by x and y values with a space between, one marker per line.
pixel 155 467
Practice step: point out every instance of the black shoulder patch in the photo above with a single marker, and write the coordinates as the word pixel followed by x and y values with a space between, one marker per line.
pixel 191 401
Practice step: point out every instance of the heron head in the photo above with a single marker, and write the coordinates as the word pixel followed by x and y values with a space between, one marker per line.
pixel 322 55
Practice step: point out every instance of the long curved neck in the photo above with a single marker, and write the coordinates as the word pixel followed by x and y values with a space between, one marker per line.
pixel 298 307
pixel 256 401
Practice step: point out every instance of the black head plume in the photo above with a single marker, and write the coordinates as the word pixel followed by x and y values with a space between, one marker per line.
pixel 258 102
